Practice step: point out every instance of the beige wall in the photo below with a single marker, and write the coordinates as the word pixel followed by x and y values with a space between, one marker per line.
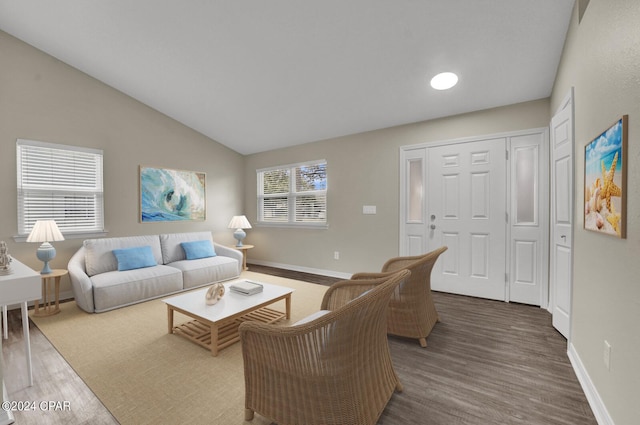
pixel 43 99
pixel 363 169
pixel 601 60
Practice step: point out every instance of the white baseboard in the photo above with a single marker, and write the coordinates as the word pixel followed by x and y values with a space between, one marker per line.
pixel 331 273
pixel 597 405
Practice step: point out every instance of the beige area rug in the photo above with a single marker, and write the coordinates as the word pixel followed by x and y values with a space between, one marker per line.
pixel 144 375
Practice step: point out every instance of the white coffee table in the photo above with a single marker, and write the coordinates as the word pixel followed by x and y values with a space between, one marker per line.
pixel 216 326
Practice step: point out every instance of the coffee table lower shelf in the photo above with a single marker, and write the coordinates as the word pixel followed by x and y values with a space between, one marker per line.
pixel 226 333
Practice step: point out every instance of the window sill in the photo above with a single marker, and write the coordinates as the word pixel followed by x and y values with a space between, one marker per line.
pixel 80 235
pixel 322 226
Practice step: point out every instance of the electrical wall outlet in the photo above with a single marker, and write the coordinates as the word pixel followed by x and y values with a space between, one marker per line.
pixel 607 354
pixel 336 255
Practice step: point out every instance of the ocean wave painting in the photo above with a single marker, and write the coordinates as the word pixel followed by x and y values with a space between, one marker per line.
pixel 171 195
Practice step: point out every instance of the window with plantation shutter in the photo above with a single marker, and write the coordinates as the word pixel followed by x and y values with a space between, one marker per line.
pixel 293 195
pixel 61 183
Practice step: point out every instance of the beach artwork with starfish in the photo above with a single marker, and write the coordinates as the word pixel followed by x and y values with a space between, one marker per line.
pixel 604 177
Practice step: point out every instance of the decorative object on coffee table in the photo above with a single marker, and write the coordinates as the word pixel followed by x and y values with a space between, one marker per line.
pixel 5 259
pixel 214 293
pixel 246 287
pixel 239 222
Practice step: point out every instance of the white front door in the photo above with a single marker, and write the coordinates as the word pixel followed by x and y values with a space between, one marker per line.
pixel 466 211
pixel 561 258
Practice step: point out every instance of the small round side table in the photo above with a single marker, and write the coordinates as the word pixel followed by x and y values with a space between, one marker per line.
pixel 50 296
pixel 244 249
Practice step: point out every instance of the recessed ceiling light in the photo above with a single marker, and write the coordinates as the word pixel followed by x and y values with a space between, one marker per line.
pixel 444 81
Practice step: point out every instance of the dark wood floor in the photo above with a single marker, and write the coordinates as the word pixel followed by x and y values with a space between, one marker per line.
pixel 486 362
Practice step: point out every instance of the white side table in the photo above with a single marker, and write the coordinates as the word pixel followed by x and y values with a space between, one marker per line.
pixel 5 325
pixel 19 287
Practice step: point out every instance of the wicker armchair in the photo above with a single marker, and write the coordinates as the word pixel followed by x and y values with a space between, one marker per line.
pixel 412 313
pixel 334 369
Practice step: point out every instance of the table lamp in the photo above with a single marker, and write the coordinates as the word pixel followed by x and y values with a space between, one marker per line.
pixel 239 222
pixel 45 231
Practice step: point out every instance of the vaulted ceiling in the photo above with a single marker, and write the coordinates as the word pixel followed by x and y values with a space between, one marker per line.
pixel 258 75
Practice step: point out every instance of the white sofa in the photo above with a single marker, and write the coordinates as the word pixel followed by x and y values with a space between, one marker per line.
pixel 98 286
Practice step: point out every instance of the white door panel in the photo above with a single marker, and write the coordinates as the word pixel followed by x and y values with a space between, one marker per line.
pixel 450 264
pixel 524 255
pixel 562 166
pixel 415 244
pixel 413 202
pixel 466 207
pixel 561 218
pixel 529 218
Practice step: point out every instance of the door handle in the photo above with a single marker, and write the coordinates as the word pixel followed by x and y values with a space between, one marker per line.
pixel 433 226
pixel 563 237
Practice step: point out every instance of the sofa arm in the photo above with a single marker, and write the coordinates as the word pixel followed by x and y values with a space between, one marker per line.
pixel 80 282
pixel 226 251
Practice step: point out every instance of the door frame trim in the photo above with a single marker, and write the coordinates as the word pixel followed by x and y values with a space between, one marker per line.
pixel 468 139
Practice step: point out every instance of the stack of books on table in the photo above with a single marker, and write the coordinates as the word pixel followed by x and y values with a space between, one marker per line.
pixel 246 287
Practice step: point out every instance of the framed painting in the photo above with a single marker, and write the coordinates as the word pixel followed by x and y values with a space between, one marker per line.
pixel 605 176
pixel 172 195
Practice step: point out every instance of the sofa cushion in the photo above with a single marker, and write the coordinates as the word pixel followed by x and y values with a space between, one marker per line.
pixel 206 270
pixel 171 248
pixel 134 258
pixel 198 249
pixel 99 256
pixel 117 289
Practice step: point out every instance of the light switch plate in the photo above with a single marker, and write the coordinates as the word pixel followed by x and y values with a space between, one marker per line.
pixel 368 209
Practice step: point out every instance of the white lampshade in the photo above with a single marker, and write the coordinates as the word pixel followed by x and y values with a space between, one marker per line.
pixel 45 231
pixel 239 222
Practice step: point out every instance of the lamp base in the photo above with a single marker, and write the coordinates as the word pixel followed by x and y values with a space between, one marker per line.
pixel 46 269
pixel 45 253
pixel 239 234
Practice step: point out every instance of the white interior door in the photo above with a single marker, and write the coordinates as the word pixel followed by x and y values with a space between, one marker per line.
pixel 561 258
pixel 529 218
pixel 466 207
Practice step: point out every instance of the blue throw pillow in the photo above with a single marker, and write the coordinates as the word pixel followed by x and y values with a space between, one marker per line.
pixel 198 249
pixel 134 258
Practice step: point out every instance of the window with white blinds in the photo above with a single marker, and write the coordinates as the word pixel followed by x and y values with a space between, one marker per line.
pixel 61 183
pixel 293 194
